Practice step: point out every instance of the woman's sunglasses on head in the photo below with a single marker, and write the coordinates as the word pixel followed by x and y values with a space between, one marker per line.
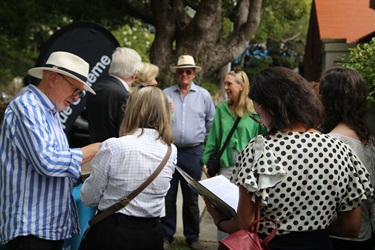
pixel 239 72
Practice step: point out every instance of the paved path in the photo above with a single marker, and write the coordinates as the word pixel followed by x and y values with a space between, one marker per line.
pixel 208 230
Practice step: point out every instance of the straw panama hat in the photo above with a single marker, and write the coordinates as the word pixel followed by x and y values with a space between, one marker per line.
pixel 67 64
pixel 185 61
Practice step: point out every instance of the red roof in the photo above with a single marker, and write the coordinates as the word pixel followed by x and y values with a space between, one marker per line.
pixel 350 19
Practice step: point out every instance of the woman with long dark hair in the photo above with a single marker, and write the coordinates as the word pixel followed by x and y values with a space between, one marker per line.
pixel 344 95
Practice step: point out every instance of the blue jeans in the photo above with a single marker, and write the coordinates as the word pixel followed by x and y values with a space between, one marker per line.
pixel 189 160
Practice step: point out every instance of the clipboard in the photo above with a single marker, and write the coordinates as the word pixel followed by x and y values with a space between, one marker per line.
pixel 218 203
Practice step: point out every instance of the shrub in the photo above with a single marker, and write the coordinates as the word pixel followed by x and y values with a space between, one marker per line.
pixel 362 59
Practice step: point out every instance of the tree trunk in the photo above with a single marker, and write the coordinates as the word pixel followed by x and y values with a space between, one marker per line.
pixel 178 33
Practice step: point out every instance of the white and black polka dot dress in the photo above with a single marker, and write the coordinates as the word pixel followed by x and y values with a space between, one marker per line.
pixel 302 179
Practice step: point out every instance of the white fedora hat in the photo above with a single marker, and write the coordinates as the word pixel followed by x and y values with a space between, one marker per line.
pixel 67 64
pixel 185 61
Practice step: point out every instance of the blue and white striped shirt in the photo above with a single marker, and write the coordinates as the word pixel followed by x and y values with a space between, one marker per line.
pixel 37 171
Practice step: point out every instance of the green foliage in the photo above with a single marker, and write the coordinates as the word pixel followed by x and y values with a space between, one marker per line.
pixel 282 31
pixel 284 61
pixel 362 59
pixel 283 27
pixel 211 87
pixel 283 19
pixel 226 28
pixel 13 62
pixel 5 78
pixel 24 27
pixel 214 89
pixel 137 37
pixel 257 66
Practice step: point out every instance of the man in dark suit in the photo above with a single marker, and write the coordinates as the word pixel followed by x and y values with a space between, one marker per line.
pixel 105 110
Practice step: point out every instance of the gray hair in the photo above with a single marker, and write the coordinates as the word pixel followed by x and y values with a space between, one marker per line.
pixel 125 62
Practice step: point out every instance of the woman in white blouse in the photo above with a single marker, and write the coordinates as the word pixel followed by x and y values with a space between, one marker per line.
pixel 122 165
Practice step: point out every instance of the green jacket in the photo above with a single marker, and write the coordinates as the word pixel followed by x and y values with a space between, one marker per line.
pixel 246 130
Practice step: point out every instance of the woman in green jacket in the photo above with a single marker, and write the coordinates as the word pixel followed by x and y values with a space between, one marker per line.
pixel 236 85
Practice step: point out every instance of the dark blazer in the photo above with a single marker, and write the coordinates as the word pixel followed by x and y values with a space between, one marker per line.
pixel 105 110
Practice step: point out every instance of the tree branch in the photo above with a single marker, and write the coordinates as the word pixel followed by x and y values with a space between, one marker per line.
pixel 242 33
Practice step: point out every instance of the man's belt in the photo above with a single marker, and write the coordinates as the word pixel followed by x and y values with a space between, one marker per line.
pixel 187 145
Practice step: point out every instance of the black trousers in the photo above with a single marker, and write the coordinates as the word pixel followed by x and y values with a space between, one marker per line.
pixel 313 240
pixel 339 244
pixel 120 231
pixel 31 242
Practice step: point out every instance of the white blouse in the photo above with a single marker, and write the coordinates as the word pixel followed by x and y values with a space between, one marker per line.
pixel 122 165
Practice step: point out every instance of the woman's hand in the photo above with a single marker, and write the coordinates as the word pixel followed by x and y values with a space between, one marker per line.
pixel 205 170
pixel 215 214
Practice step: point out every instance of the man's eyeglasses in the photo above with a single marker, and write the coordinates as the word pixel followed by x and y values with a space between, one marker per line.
pixel 77 91
pixel 187 71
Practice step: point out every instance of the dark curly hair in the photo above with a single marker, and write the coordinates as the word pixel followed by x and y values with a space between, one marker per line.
pixel 344 92
pixel 287 97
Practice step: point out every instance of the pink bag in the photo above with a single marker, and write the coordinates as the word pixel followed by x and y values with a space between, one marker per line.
pixel 247 240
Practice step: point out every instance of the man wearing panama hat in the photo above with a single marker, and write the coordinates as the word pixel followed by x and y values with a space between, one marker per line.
pixel 38 169
pixel 193 114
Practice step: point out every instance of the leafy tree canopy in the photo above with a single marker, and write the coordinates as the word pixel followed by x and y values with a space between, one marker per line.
pixel 362 59
pixel 181 26
pixel 215 32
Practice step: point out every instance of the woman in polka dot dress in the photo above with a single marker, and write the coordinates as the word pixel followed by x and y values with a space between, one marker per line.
pixel 344 94
pixel 310 183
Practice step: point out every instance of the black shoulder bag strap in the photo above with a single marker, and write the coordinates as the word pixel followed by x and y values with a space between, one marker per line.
pixel 126 200
pixel 228 137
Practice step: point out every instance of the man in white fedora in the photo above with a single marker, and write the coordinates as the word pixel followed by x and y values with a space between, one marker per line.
pixel 38 170
pixel 193 114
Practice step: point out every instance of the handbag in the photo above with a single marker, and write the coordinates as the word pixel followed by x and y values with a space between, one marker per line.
pixel 124 201
pixel 213 163
pixel 248 239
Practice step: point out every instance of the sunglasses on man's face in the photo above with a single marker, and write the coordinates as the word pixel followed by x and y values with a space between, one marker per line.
pixel 187 71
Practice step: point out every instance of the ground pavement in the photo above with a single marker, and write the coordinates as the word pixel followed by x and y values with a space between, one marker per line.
pixel 208 230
